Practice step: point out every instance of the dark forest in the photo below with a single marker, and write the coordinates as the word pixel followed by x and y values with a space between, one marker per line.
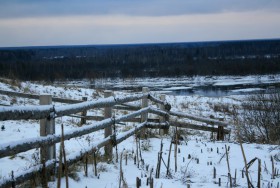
pixel 141 60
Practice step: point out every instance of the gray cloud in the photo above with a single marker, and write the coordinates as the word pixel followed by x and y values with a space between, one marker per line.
pixel 69 30
pixel 62 22
pixel 38 8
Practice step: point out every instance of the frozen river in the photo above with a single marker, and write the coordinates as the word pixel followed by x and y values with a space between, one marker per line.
pixel 214 86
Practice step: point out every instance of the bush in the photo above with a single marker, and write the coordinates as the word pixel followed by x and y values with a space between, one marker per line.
pixel 259 120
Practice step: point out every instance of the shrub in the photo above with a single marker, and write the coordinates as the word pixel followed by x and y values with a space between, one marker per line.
pixel 259 120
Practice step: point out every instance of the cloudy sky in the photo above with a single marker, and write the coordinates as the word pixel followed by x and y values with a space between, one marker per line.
pixel 78 22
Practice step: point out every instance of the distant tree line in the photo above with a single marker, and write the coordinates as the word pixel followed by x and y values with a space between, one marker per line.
pixel 146 60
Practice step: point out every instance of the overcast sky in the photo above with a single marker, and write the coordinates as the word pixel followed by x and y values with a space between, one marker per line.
pixel 78 22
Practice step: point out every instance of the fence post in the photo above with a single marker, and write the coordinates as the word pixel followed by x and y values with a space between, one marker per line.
pixel 108 131
pixel 144 117
pixel 83 114
pixel 161 118
pixel 47 127
pixel 220 133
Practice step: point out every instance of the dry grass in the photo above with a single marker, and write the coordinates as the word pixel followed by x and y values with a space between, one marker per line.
pixel 14 83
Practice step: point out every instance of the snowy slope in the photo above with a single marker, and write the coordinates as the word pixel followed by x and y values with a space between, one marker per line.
pixel 196 170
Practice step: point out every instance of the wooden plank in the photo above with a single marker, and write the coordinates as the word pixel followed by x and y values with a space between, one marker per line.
pixel 132 106
pixel 25 112
pixel 201 119
pixel 134 120
pixel 96 118
pixel 40 112
pixel 124 107
pixel 101 103
pixel 77 116
pixel 153 125
pixel 196 127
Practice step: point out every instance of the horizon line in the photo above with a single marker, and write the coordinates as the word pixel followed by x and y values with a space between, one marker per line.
pixel 135 44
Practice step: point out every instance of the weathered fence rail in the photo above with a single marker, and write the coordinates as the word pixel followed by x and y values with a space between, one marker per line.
pixel 33 96
pixel 196 126
pixel 196 118
pixel 45 111
pixel 49 112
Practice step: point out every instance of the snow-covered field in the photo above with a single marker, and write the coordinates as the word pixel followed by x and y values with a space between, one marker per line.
pixel 197 154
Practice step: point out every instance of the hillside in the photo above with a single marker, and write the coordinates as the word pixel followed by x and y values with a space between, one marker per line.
pixel 197 153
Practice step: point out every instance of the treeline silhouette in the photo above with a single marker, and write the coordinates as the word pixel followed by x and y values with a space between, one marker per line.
pixel 143 60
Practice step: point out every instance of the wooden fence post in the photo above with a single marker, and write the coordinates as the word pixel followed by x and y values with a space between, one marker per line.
pixel 161 118
pixel 47 127
pixel 220 133
pixel 144 117
pixel 83 114
pixel 138 182
pixel 108 131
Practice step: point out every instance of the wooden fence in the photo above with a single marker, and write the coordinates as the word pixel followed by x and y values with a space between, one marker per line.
pixel 47 112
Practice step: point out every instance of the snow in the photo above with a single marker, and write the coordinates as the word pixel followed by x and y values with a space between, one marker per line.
pixel 247 90
pixel 197 144
pixel 175 88
pixel 199 174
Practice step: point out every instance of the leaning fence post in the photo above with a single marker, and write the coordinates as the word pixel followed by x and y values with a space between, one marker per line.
pixel 83 114
pixel 144 117
pixel 47 127
pixel 108 130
